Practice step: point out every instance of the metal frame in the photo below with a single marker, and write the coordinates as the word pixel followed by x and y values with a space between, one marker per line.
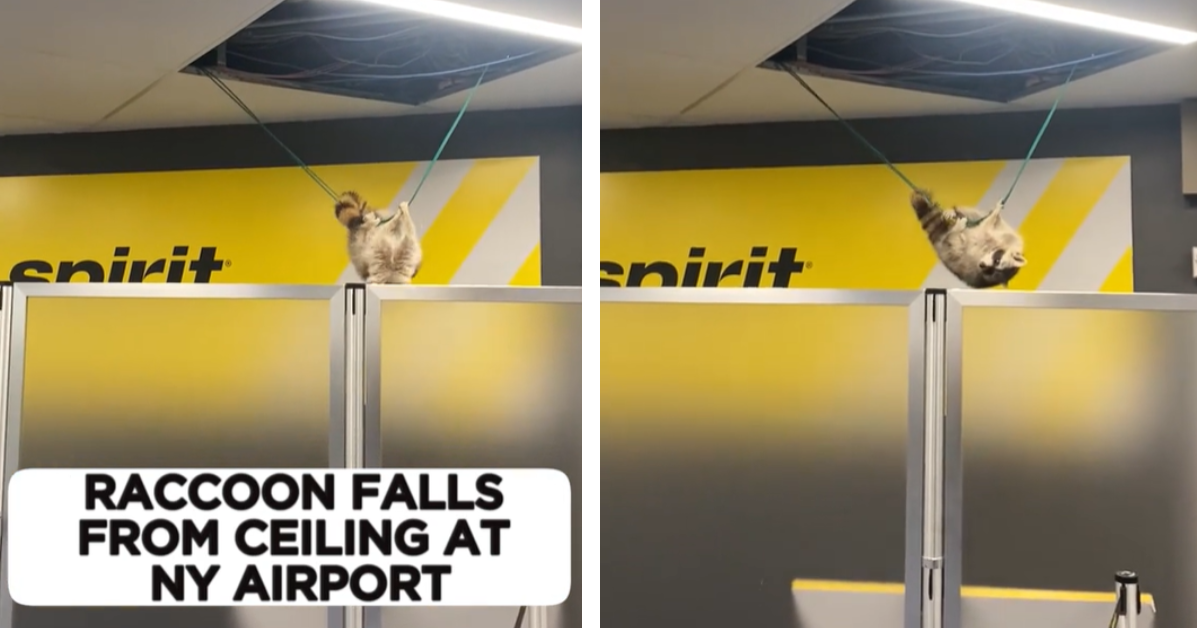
pixel 762 296
pixel 354 422
pixel 924 590
pixel 376 295
pixel 13 311
pixel 6 300
pixel 926 321
pixel 933 517
pixel 346 428
pixel 957 302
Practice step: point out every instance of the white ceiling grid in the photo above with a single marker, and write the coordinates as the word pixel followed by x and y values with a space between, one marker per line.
pixel 693 62
pixel 92 65
pixel 67 64
pixel 74 65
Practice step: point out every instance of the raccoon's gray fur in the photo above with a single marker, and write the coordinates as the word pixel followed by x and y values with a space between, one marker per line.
pixel 382 250
pixel 982 255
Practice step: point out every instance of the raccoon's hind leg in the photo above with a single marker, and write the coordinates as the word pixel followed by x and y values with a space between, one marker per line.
pixel 408 259
pixel 393 265
pixel 362 269
pixel 923 203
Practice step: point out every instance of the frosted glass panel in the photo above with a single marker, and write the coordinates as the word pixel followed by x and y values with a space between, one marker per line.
pixel 744 446
pixel 174 383
pixel 1079 451
pixel 481 384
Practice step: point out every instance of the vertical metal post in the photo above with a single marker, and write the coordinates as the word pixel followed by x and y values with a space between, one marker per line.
pixel 933 493
pixel 539 617
pixel 355 452
pixel 1129 599
pixel 6 298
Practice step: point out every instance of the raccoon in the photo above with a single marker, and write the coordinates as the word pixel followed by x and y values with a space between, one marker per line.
pixel 980 249
pixel 382 250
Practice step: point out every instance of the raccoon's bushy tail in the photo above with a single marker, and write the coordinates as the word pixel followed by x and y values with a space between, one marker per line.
pixel 349 208
pixel 930 214
pixel 923 203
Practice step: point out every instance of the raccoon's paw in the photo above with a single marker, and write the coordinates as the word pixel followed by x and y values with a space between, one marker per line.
pixel 951 216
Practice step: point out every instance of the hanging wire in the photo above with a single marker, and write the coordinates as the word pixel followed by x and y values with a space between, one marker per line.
pixel 313 175
pixel 446 139
pixel 878 153
pixel 864 141
pixel 1036 140
pixel 300 162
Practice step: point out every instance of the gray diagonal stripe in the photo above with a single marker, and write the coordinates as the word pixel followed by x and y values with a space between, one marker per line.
pixel 444 180
pixel 1098 244
pixel 509 239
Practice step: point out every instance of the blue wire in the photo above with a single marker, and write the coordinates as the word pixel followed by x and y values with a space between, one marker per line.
pixel 1071 64
pixel 376 77
pixel 446 139
pixel 979 74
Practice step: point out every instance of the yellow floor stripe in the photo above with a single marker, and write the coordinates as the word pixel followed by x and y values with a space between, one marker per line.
pixel 1063 207
pixel 847 587
pixel 1048 596
pixel 972 592
pixel 1121 277
pixel 467 215
pixel 530 272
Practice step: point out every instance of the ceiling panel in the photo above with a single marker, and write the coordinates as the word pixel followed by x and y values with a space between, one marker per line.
pixel 190 100
pixel 147 34
pixel 653 84
pixel 743 32
pixel 554 84
pixel 71 65
pixel 639 90
pixel 1166 77
pixel 20 124
pixel 57 88
pixel 628 121
pixel 767 96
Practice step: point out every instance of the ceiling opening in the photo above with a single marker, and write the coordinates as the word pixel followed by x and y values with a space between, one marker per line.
pixel 955 49
pixel 365 51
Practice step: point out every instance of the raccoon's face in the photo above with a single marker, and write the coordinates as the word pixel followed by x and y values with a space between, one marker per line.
pixel 999 268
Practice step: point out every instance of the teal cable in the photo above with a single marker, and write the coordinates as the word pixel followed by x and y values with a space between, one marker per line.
pixel 878 153
pixel 300 162
pixel 871 147
pixel 446 139
pixel 1061 90
pixel 1028 156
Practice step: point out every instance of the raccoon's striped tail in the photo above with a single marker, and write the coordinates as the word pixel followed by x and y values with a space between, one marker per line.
pixel 923 204
pixel 349 209
pixel 935 221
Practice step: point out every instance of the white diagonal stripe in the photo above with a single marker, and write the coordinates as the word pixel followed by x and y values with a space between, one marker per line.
pixel 1034 181
pixel 509 239
pixel 444 180
pixel 1098 244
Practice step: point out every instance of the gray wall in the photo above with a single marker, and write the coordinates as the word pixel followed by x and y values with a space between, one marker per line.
pixel 551 133
pixel 1164 221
